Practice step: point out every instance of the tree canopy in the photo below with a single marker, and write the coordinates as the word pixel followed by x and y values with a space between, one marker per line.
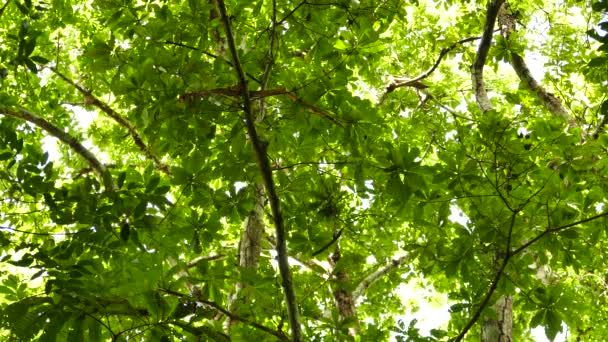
pixel 275 170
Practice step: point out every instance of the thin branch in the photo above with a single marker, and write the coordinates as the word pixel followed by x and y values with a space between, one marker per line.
pixel 236 91
pixel 4 7
pixel 482 54
pixel 42 234
pixel 314 109
pixel 233 316
pixel 121 120
pixel 209 54
pixel 264 165
pixel 555 230
pixel 415 82
pixel 335 238
pixel 370 279
pixel 493 285
pixel 291 12
pixel 277 167
pixel 60 134
pixel 212 257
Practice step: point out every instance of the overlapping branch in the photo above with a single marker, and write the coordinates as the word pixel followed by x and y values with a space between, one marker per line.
pixel 66 138
pixel 121 120
pixel 416 81
pixel 280 335
pixel 266 171
pixel 260 94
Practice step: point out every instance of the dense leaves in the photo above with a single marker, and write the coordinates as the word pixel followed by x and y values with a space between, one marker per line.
pixel 131 153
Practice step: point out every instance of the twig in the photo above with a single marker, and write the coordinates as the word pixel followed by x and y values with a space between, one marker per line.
pixel 42 234
pixel 555 230
pixel 291 12
pixel 264 165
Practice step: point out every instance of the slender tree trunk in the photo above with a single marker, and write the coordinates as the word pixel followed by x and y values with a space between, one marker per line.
pixel 249 251
pixel 499 329
pixel 344 298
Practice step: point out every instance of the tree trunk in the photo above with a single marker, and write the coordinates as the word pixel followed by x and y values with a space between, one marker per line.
pixel 499 329
pixel 345 301
pixel 249 249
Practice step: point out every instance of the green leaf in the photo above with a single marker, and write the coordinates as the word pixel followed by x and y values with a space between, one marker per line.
pixel 180 176
pixel 553 324
pixel 31 65
pixel 152 183
pixel 39 59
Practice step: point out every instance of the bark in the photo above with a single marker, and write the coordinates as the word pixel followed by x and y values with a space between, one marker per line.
pixel 345 301
pixel 250 247
pixel 64 137
pixel 507 25
pixel 499 329
pixel 369 280
pixel 121 120
pixel 266 171
pixel 479 87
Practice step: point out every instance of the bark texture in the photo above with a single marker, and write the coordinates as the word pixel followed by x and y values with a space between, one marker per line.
pixel 479 87
pixel 250 247
pixel 501 328
pixel 344 298
pixel 507 25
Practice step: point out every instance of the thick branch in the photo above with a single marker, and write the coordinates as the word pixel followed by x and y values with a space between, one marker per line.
pixel 264 164
pixel 58 133
pixel 370 279
pixel 92 100
pixel 482 54
pixel 550 101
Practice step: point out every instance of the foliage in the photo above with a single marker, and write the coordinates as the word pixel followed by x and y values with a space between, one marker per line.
pixel 145 246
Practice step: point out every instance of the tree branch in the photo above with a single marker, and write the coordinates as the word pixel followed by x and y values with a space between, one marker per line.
pixel 482 54
pixel 236 91
pixel 327 245
pixel 415 82
pixel 121 120
pixel 58 133
pixel 549 101
pixel 370 279
pixel 556 230
pixel 264 165
pixel 493 284
pixel 233 316
pixel 4 7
